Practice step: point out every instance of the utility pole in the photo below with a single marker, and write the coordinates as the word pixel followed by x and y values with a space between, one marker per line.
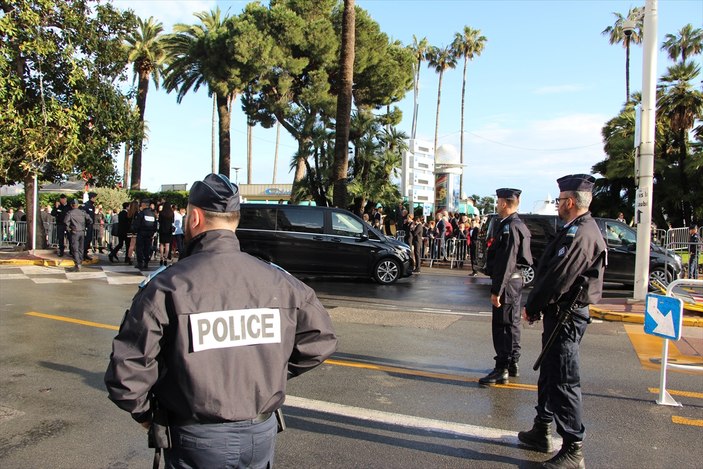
pixel 644 171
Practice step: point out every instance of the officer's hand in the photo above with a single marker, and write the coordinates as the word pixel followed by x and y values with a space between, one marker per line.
pixel 495 300
pixel 146 424
pixel 530 318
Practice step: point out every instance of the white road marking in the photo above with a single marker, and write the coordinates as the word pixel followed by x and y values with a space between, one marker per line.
pixel 84 275
pixel 12 276
pixel 40 270
pixel 125 280
pixel 40 280
pixel 120 268
pixel 440 426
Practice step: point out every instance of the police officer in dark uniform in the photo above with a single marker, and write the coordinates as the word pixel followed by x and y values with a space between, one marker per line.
pixel 122 232
pixel 694 240
pixel 89 208
pixel 213 339
pixel 577 254
pixel 510 252
pixel 144 224
pixel 76 222
pixel 59 211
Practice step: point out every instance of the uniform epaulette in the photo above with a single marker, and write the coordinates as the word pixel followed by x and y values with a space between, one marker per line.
pixel 572 231
pixel 146 281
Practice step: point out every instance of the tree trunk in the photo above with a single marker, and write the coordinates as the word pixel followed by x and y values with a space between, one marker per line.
pixel 461 144
pixel 142 90
pixel 416 95
pixel 275 153
pixel 436 126
pixel 127 166
pixel 223 112
pixel 250 132
pixel 627 69
pixel 32 210
pixel 344 103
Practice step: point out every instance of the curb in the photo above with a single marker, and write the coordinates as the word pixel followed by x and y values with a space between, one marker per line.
pixel 45 262
pixel 635 318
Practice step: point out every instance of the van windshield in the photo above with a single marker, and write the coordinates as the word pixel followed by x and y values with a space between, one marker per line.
pixel 619 234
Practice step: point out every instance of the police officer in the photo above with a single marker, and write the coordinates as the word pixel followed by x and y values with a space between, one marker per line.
pixel 59 211
pixel 144 224
pixel 577 253
pixel 213 338
pixel 510 252
pixel 89 208
pixel 76 222
pixel 694 240
pixel 122 232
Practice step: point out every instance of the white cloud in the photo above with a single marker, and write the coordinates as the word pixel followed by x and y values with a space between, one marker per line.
pixel 559 89
pixel 167 11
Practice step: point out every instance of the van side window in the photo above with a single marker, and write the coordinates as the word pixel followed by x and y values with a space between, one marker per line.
pixel 345 225
pixel 258 219
pixel 301 221
pixel 618 235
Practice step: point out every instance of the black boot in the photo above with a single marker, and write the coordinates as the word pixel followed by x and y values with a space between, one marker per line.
pixel 570 456
pixel 513 370
pixel 498 375
pixel 539 438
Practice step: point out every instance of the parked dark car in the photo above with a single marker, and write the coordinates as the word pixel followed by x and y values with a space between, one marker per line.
pixel 321 241
pixel 664 265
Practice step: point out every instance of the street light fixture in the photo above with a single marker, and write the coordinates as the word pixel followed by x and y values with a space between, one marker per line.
pixel 236 174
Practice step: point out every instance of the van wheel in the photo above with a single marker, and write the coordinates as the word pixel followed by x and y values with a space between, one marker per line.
pixel 659 277
pixel 528 276
pixel 387 271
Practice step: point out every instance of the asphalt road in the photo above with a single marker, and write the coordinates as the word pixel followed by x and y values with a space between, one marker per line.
pixel 401 392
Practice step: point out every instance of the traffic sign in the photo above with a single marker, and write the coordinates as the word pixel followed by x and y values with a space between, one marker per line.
pixel 663 316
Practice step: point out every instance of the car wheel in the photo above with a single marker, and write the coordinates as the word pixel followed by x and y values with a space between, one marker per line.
pixel 528 276
pixel 659 276
pixel 387 271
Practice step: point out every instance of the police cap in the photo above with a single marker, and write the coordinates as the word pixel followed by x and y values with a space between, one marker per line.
pixel 576 182
pixel 62 196
pixel 215 193
pixel 506 193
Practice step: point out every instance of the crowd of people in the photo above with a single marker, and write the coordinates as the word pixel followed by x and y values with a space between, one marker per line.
pixel 428 239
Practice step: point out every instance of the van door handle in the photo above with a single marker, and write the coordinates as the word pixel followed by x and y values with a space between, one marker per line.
pixel 336 240
pixel 318 238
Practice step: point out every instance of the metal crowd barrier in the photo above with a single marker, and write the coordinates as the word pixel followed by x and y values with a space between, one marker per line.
pixel 16 232
pixel 684 249
pixel 453 251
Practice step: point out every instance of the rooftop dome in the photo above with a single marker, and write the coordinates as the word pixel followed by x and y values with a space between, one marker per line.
pixel 447 154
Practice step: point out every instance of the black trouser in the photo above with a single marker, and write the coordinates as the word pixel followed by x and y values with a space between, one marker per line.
pixel 417 248
pixel 559 383
pixel 143 247
pixel 77 240
pixel 61 235
pixel 122 241
pixel 88 240
pixel 506 324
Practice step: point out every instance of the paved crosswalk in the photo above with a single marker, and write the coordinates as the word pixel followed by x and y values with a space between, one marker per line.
pixel 112 274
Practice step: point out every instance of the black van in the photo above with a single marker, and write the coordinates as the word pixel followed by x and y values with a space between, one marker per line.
pixel 321 241
pixel 664 265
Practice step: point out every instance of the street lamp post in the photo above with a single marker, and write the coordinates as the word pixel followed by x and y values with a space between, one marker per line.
pixel 236 174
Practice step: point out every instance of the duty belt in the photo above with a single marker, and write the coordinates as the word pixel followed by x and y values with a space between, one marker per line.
pixel 179 422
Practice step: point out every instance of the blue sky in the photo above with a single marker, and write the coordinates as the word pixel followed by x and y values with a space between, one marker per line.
pixel 537 97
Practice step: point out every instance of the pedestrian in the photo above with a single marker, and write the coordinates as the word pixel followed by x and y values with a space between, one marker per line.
pixel 576 254
pixel 132 212
pixel 19 215
pixel 178 217
pixel 507 256
pixel 89 208
pixel 621 218
pixel 165 233
pixel 418 229
pixel 212 340
pixel 473 241
pixel 122 223
pixel 77 220
pixel 61 208
pixel 694 242
pixel 144 225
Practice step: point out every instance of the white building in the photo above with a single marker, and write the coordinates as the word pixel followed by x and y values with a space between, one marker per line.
pixel 417 182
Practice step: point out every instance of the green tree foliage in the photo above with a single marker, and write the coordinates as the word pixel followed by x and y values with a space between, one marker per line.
pixel 441 59
pixel 60 109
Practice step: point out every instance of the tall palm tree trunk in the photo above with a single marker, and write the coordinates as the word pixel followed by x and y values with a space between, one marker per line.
pixel 275 153
pixel 223 113
pixel 436 126
pixel 344 103
pixel 416 97
pixel 627 70
pixel 461 148
pixel 142 90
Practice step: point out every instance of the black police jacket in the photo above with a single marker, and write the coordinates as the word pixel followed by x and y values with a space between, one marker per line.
pixel 215 336
pixel 144 222
pixel 578 250
pixel 60 213
pixel 510 252
pixel 76 220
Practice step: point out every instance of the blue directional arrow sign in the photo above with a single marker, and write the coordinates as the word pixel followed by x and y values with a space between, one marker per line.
pixel 663 316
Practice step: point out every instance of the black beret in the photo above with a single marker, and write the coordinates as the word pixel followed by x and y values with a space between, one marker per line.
pixel 506 193
pixel 92 194
pixel 215 193
pixel 576 182
pixel 62 196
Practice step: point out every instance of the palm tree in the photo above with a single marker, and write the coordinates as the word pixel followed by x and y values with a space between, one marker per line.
pixel 682 105
pixel 147 55
pixel 616 34
pixel 441 59
pixel 344 105
pixel 420 49
pixel 199 55
pixel 470 44
pixel 688 42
